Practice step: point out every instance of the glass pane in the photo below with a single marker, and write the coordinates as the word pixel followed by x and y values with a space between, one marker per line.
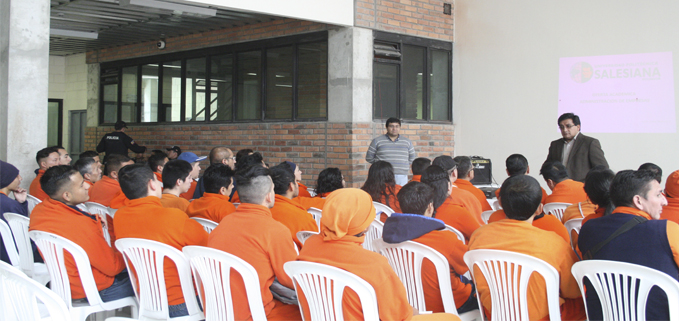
pixel 149 93
pixel 129 104
pixel 249 85
pixel 221 91
pixel 279 83
pixel 312 81
pixel 439 85
pixel 196 77
pixel 111 102
pixel 413 69
pixel 385 90
pixel 172 90
pixel 52 123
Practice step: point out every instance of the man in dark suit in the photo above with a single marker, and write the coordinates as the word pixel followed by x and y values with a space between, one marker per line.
pixel 575 150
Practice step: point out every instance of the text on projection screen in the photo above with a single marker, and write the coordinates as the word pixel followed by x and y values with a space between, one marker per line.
pixel 619 94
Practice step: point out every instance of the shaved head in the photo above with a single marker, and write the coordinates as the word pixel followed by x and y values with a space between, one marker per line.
pixel 222 155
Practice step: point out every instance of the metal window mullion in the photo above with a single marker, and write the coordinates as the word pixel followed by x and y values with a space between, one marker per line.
pixel 262 76
pixel 161 105
pixel 426 76
pixel 208 88
pixel 182 94
pixel 295 76
pixel 119 94
pixel 234 87
pixel 138 102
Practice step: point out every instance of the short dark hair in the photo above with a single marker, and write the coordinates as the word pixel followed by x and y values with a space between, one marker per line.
pixel 391 120
pixel 252 184
pixel 446 162
pixel 516 164
pixel 174 170
pixel 574 117
pixel 415 197
pixel 554 170
pixel 464 165
pixel 653 168
pixel 88 153
pixel 420 164
pixel 114 162
pixel 329 180
pixel 243 152
pixel 56 178
pixel 438 179
pixel 598 185
pixel 520 196
pixel 134 180
pixel 217 176
pixel 628 183
pixel 249 160
pixel 156 160
pixel 281 175
pixel 44 153
pixel 84 165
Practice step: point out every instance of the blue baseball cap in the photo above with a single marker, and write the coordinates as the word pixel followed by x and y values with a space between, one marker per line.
pixel 191 157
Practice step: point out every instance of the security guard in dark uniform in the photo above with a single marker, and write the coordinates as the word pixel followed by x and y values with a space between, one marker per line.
pixel 118 142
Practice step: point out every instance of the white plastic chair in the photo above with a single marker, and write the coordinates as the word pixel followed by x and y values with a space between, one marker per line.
pixel 457 232
pixel 212 269
pixel 323 287
pixel 22 298
pixel 381 208
pixel 623 288
pixel 101 211
pixel 374 232
pixel 406 260
pixel 556 209
pixel 19 226
pixel 302 236
pixel 573 225
pixel 10 246
pixel 508 274
pixel 496 205
pixel 32 202
pixel 52 247
pixel 316 214
pixel 311 191
pixel 485 215
pixel 208 225
pixel 147 259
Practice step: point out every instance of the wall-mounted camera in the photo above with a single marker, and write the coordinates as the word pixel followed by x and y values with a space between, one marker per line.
pixel 160 44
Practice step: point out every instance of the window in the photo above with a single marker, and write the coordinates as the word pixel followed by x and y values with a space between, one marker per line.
pixel 270 80
pixel 411 78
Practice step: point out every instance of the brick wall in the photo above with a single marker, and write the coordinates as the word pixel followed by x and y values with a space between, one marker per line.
pixel 314 146
pixel 422 18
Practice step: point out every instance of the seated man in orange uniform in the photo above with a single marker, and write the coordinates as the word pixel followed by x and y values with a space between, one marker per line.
pixel 520 197
pixel 194 160
pixel 247 159
pixel 254 236
pixel 517 164
pixel 176 180
pixel 564 190
pixel 89 169
pixel 144 217
pixel 156 163
pixel 46 158
pixel 298 177
pixel 465 173
pixel 104 190
pixel 671 210
pixel 458 195
pixel 543 221
pixel 347 214
pixel 286 210
pixel 214 205
pixel 418 167
pixel 417 199
pixel 58 214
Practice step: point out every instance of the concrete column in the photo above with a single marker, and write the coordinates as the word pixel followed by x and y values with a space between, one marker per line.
pixel 24 67
pixel 350 75
pixel 92 95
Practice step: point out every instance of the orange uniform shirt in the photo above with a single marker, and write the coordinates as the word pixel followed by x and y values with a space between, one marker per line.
pixel 146 218
pixel 235 198
pixel 598 213
pixel 86 231
pixel 416 178
pixel 211 206
pixel 567 191
pixel 36 189
pixel 104 190
pixel 159 176
pixel 189 194
pixel 578 210
pixel 119 200
pixel 303 192
pixel 468 201
pixel 308 202
pixel 293 216
pixel 546 222
pixel 458 217
pixel 671 211
pixel 522 237
pixel 393 201
pixel 171 201
pixel 254 236
pixel 479 194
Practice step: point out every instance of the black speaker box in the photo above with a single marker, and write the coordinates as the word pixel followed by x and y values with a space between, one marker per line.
pixel 483 170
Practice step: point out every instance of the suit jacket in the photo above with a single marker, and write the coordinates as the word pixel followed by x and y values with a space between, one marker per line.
pixel 585 154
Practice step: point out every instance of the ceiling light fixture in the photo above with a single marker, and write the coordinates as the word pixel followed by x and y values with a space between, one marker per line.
pixel 175 7
pixel 74 33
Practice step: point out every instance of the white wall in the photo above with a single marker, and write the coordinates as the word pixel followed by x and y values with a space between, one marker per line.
pixel 505 70
pixel 68 81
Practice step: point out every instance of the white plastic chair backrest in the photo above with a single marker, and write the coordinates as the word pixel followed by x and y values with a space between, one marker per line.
pixel 381 208
pixel 10 246
pixel 316 214
pixel 374 232
pixel 457 232
pixel 236 204
pixel 211 269
pixel 485 215
pixel 112 212
pixel 302 236
pixel 208 225
pixel 508 274
pixel 32 202
pixel 623 288
pixel 496 205
pixel 556 209
pixel 406 260
pixel 323 286
pixel 20 295
pixel 19 226
pixel 573 225
pixel 147 259
pixel 52 248
pixel 101 211
pixel 311 191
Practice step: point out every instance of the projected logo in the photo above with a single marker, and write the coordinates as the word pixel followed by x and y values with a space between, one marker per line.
pixel 581 72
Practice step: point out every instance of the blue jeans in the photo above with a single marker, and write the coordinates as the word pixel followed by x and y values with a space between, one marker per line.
pixel 121 288
pixel 180 310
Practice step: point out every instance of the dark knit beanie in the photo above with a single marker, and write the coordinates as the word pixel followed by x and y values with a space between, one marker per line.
pixel 8 173
pixel 292 165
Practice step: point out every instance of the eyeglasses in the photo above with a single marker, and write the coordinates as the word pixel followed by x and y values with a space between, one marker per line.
pixel 569 126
